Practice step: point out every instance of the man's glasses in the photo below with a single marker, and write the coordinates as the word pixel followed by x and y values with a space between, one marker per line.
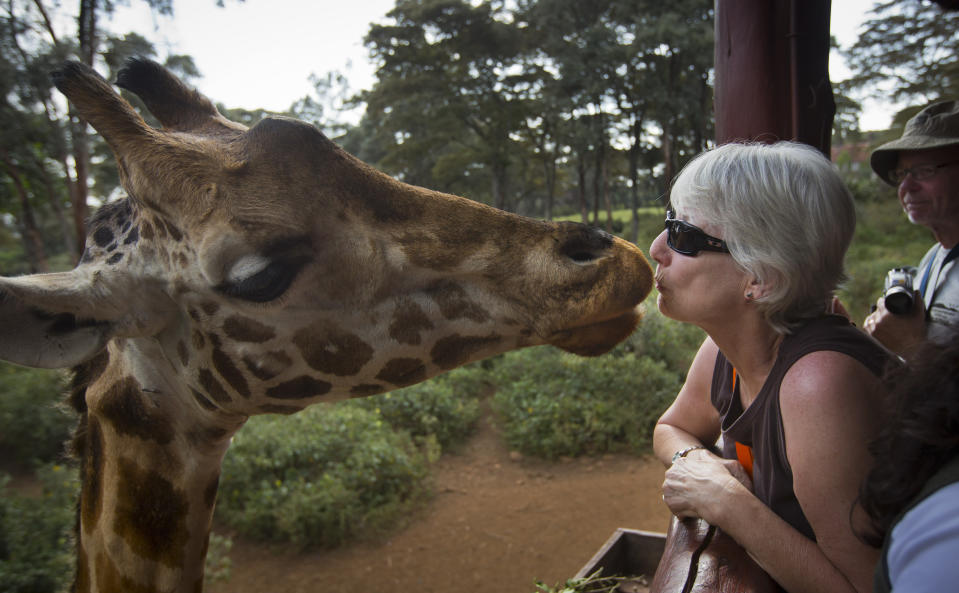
pixel 919 172
pixel 688 239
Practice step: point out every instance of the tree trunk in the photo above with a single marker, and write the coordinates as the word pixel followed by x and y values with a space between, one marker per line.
pixel 87 33
pixel 29 233
pixel 581 188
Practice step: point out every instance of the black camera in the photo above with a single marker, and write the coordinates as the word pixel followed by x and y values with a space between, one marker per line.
pixel 897 293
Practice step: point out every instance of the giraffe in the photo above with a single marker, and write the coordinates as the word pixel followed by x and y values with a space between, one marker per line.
pixel 263 270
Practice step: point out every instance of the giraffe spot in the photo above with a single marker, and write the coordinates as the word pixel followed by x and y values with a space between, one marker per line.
pixel 132 237
pixel 81 583
pixel 278 409
pixel 194 314
pixel 213 387
pixel 244 329
pixel 183 353
pixel 202 400
pixel 103 236
pixel 403 371
pixel 456 350
pixel 92 474
pixel 366 390
pixel 303 387
pixel 151 514
pixel 175 232
pixel 210 308
pixel 199 342
pixel 267 366
pixel 331 350
pixel 433 252
pixel 408 321
pixel 124 406
pixel 229 371
pixel 146 231
pixel 115 258
pixel 109 578
pixel 209 493
pixel 454 302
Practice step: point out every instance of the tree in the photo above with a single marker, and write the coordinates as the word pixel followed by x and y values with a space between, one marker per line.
pixel 443 93
pixel 908 52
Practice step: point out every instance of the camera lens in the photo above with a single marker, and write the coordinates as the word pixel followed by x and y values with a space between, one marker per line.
pixel 898 301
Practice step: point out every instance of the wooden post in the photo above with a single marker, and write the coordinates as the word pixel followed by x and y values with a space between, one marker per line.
pixel 772 71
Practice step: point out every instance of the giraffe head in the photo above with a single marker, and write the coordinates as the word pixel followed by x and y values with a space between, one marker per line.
pixel 273 270
pixel 262 270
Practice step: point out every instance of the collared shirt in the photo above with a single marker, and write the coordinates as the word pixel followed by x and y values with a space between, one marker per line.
pixel 942 292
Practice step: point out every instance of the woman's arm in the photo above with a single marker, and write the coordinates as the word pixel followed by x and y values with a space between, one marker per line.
pixel 691 420
pixel 830 412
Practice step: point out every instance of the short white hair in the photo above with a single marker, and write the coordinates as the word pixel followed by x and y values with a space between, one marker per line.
pixel 786 216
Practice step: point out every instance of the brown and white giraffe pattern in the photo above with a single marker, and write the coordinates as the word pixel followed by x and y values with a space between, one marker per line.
pixel 261 271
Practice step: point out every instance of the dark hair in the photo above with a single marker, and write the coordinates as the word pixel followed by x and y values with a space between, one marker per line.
pixel 920 434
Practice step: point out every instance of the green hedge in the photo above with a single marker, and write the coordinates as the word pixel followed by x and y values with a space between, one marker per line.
pixel 34 424
pixel 36 543
pixel 319 477
pixel 555 404
pixel 443 410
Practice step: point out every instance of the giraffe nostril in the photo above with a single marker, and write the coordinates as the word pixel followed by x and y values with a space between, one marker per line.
pixel 582 257
pixel 587 245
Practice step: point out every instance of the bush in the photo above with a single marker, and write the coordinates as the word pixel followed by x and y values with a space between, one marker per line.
pixel 319 477
pixel 444 408
pixel 554 404
pixel 36 546
pixel 33 424
pixel 661 338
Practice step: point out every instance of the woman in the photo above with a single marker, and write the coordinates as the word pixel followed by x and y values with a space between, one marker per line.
pixel 912 493
pixel 752 252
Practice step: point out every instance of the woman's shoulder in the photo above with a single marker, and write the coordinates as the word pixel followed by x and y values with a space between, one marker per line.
pixel 836 334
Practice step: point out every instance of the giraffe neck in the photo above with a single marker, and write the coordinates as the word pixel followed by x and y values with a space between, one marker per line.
pixel 149 483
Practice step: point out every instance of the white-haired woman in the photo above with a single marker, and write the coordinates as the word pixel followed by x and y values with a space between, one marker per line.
pixel 752 253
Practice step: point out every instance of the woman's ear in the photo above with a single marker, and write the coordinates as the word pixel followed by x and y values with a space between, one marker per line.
pixel 756 289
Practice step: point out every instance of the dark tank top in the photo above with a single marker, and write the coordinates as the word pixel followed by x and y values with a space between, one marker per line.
pixel 760 425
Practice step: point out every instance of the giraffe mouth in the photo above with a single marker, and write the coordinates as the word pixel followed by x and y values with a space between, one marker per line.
pixel 597 338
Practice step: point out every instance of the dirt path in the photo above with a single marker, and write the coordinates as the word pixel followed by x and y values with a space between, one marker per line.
pixel 497 524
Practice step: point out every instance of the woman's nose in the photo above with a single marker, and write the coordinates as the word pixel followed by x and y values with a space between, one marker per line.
pixel 658 250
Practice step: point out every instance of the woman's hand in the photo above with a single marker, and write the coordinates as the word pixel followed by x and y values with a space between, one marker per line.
pixel 700 484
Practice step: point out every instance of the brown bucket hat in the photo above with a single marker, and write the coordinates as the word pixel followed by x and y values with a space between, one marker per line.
pixel 935 126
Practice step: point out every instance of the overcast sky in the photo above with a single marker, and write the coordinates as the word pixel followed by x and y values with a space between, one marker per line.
pixel 260 53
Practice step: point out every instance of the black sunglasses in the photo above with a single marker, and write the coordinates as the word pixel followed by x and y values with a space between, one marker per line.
pixel 689 239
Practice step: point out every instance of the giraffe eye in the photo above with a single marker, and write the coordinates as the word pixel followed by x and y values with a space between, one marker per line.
pixel 262 281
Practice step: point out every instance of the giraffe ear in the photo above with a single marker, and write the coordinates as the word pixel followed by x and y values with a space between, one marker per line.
pixel 63 319
pixel 44 326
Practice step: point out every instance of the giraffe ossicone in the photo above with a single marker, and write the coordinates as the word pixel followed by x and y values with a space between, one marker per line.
pixel 262 270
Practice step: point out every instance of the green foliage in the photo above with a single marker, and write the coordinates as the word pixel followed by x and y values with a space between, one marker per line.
pixel 36 548
pixel 33 424
pixel 554 404
pixel 663 339
pixel 594 583
pixel 319 477
pixel 444 408
pixel 908 51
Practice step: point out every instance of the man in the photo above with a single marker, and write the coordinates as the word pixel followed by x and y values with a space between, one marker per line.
pixel 924 164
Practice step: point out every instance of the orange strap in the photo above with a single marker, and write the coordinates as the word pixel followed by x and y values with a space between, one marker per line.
pixel 744 453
